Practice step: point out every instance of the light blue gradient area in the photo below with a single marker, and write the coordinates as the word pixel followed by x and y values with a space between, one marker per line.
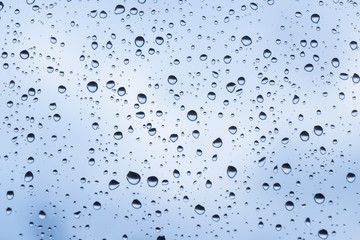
pixel 64 183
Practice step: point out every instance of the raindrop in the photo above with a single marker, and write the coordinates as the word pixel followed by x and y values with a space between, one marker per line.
pixel 304 135
pixel 139 41
pixel 286 168
pixel 141 98
pixel 172 79
pixel 231 171
pixel 323 234
pixel 319 198
pixel 246 41
pixel 217 143
pixel 133 178
pixel 28 176
pixel 289 205
pixel 199 209
pixel 309 67
pixel 97 205
pixel 136 204
pixel 42 215
pixel 192 115
pixel 30 137
pixel 315 18
pixel 113 184
pixel 350 177
pixel 152 181
pixel 119 9
pixel 318 130
pixel 92 86
pixel 118 135
pixel 24 54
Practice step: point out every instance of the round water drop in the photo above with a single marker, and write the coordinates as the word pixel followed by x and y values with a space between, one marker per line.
pixel 121 91
pixel 304 135
pixel 152 181
pixel 97 205
pixel 319 198
pixel 136 204
pixel 110 84
pixel 141 98
pixel 30 137
pixel 353 45
pixel 309 67
pixel 10 195
pixel 215 218
pixel 113 184
pixel 192 115
pixel 133 178
pixel 335 62
pixel 118 135
pixel 231 171
pixel 323 234
pixel 42 215
pixel 227 59
pixel 289 205
pixel 318 130
pixel 315 18
pixel 119 9
pixel 24 54
pixel 217 143
pixel 296 99
pixel 174 137
pixel 199 209
pixel 139 41
pixel 246 41
pixel 356 78
pixel 92 86
pixel 28 176
pixel 350 177
pixel 172 79
pixel 267 53
pixel 286 168
pixel 232 130
pixel 262 116
pixel 230 87
pixel 196 134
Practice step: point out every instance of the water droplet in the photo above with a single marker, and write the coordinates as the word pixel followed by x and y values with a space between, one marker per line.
pixel 139 41
pixel 304 135
pixel 172 79
pixel 97 205
pixel 286 168
pixel 246 41
pixel 136 204
pixel 323 234
pixel 133 178
pixel 192 115
pixel 118 135
pixel 42 215
pixel 309 67
pixel 113 184
pixel 28 176
pixel 227 59
pixel 289 205
pixel 10 195
pixel 119 9
pixel 353 45
pixel 30 137
pixel 315 18
pixel 199 209
pixel 231 171
pixel 217 143
pixel 262 161
pixel 318 130
pixel 92 86
pixel 141 98
pixel 24 54
pixel 121 91
pixel 350 177
pixel 152 181
pixel 319 198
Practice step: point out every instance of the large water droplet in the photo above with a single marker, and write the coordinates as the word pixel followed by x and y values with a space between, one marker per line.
pixel 172 79
pixel 24 54
pixel 118 135
pixel 199 209
pixel 141 98
pixel 315 18
pixel 139 41
pixel 97 205
pixel 113 184
pixel 304 135
pixel 323 234
pixel 28 176
pixel 319 198
pixel 133 178
pixel 152 181
pixel 30 137
pixel 119 9
pixel 350 177
pixel 217 143
pixel 231 171
pixel 246 40
pixel 192 115
pixel 136 204
pixel 289 205
pixel 92 86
